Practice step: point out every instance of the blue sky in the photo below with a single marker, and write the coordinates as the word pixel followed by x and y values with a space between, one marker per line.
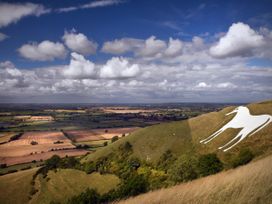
pixel 143 30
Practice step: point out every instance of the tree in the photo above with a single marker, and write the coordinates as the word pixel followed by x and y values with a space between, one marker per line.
pixel 209 164
pixel 114 139
pixel 184 169
pixel 244 157
pixel 53 162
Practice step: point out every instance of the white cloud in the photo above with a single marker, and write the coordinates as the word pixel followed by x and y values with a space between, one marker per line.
pixel 93 4
pixel 119 68
pixel 13 12
pixel 226 85
pixel 79 67
pixel 120 46
pixel 151 47
pixel 239 41
pixel 174 47
pixel 203 85
pixel 44 51
pixel 3 36
pixel 79 43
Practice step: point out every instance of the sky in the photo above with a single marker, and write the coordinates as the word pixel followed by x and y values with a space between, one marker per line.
pixel 135 51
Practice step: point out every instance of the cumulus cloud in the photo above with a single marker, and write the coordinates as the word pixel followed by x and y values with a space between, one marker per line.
pixel 120 46
pixel 79 43
pixel 44 51
pixel 203 85
pixel 79 67
pixel 149 48
pixel 3 36
pixel 239 41
pixel 13 12
pixel 119 68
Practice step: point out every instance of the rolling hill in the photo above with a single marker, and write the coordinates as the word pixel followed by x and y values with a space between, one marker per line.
pixel 183 137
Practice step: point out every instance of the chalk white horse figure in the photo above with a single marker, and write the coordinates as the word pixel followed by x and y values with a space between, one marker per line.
pixel 243 119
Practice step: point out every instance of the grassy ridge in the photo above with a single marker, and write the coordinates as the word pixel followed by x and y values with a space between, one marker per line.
pixel 248 184
pixel 65 183
pixel 15 187
pixel 183 137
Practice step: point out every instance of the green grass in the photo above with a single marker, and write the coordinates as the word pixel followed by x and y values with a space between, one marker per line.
pixel 66 183
pixel 183 137
pixel 15 187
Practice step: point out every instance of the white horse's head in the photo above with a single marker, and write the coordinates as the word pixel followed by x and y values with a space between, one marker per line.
pixel 239 109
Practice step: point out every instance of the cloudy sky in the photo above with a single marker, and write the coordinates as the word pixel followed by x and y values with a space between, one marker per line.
pixel 114 51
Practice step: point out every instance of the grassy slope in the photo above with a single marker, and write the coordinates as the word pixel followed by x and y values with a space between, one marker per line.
pixel 69 182
pixel 248 184
pixel 183 136
pixel 15 187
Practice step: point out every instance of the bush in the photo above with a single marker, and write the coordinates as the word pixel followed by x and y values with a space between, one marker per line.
pixel 105 144
pixel 184 169
pixel 2 166
pixel 90 167
pixel 33 143
pixel 53 162
pixel 209 164
pixel 90 196
pixel 244 157
pixel 114 139
pixel 166 160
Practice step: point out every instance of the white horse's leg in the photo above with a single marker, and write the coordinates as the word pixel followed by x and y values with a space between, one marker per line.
pixel 269 120
pixel 211 137
pixel 244 133
pixel 237 136
pixel 233 145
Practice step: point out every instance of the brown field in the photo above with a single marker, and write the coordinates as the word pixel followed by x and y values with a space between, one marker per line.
pixel 99 134
pixel 125 110
pixel 21 150
pixel 41 156
pixel 248 184
pixel 4 137
pixel 65 111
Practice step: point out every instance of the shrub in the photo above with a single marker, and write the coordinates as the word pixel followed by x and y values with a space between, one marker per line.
pixel 3 166
pixel 209 164
pixel 53 162
pixel 90 167
pixel 33 143
pixel 90 196
pixel 244 157
pixel 114 139
pixel 184 169
pixel 166 160
pixel 105 144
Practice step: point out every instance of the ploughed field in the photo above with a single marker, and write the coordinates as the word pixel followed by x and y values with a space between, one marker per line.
pixel 36 146
pixel 98 134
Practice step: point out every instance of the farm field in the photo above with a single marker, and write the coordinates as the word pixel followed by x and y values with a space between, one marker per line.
pixel 124 110
pixel 99 134
pixel 4 137
pixel 37 146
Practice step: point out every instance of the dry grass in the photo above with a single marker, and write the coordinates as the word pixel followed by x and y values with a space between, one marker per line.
pixel 248 184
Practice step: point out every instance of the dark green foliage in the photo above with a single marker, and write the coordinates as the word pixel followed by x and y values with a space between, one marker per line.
pixel 114 139
pixel 105 144
pixel 15 137
pixel 184 169
pixel 244 157
pixel 209 164
pixel 133 185
pixel 166 160
pixel 90 196
pixel 53 162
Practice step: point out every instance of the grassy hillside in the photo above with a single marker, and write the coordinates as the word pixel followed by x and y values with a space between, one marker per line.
pixel 57 186
pixel 249 184
pixel 65 183
pixel 183 137
pixel 15 187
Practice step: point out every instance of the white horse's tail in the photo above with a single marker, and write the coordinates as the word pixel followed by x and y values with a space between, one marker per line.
pixel 269 120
